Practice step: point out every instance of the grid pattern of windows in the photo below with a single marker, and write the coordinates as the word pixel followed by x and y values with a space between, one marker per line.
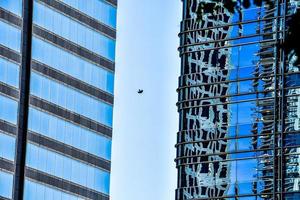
pixel 107 14
pixel 10 41
pixel 36 191
pixel 67 168
pixel 69 133
pixel 72 30
pixel 238 138
pixel 58 164
pixel 70 99
pixel 81 69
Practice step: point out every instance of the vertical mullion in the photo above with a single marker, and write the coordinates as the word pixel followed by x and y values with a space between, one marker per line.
pixel 275 100
pixel 19 178
pixel 283 100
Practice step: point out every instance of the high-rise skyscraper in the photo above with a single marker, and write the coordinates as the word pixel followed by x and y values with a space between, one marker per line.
pixel 239 105
pixel 55 136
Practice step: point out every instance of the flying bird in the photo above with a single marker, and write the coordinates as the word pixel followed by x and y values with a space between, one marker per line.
pixel 140 91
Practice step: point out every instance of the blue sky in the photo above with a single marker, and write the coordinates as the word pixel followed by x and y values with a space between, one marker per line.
pixel 145 125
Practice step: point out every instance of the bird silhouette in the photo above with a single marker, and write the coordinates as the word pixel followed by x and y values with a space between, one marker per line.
pixel 140 91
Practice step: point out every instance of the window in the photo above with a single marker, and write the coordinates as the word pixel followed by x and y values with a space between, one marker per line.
pixel 69 133
pixel 74 31
pixel 67 168
pixel 71 99
pixel 97 9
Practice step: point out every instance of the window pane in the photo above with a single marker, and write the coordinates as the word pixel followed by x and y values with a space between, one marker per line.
pixel 8 109
pixel 97 9
pixel 74 31
pixel 14 6
pixel 71 99
pixel 10 36
pixel 6 183
pixel 72 65
pixel 9 72
pixel 7 146
pixel 75 171
pixel 37 191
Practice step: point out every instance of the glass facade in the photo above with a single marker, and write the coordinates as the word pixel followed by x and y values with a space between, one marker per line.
pixel 6 182
pixel 7 146
pixel 71 99
pixel 70 111
pixel 12 6
pixel 67 168
pixel 69 133
pixel 36 191
pixel 9 72
pixel 8 109
pixel 107 14
pixel 238 105
pixel 72 30
pixel 10 36
pixel 81 69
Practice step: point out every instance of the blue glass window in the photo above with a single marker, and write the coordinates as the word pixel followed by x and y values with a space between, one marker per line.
pixel 293 80
pixel 243 182
pixel 244 56
pixel 71 99
pixel 7 146
pixel 37 191
pixel 14 6
pixel 74 31
pixel 9 73
pixel 6 183
pixel 69 133
pixel 251 13
pixel 72 65
pixel 10 36
pixel 246 72
pixel 292 196
pixel 8 109
pixel 67 168
pixel 242 113
pixel 246 179
pixel 97 9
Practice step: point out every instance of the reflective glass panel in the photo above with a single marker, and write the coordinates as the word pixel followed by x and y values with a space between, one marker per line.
pixel 98 9
pixel 8 109
pixel 72 65
pixel 243 113
pixel 74 31
pixel 6 183
pixel 69 169
pixel 10 36
pixel 14 6
pixel 37 191
pixel 71 99
pixel 9 72
pixel 7 146
pixel 69 133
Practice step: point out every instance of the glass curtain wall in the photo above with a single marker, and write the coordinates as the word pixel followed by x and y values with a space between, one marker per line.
pixel 238 105
pixel 85 172
pixel 10 41
pixel 69 137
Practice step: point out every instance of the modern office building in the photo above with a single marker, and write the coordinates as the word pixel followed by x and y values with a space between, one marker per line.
pixel 239 105
pixel 57 62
